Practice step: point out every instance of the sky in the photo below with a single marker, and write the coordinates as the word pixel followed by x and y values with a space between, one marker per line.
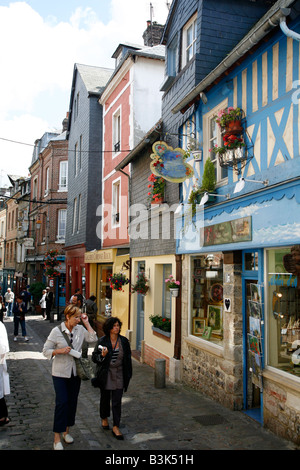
pixel 41 40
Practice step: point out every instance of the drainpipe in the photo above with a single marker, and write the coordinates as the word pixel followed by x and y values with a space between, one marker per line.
pixel 177 343
pixel 129 196
pixel 288 32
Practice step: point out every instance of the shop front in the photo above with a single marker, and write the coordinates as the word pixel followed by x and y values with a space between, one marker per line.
pixel 101 265
pixel 241 312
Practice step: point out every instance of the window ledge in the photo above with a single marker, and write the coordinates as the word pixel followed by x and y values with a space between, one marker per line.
pixel 166 335
pixel 205 346
pixel 282 378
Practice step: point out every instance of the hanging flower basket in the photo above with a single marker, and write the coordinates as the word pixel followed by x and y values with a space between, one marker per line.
pixel 174 292
pixel 141 286
pixel 51 264
pixel 117 281
pixel 172 285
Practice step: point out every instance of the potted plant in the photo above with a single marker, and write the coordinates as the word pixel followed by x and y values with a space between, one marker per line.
pixel 172 285
pixel 36 290
pixel 140 285
pixel 117 281
pixel 156 188
pixel 208 185
pixel 230 119
pixel 161 323
pixel 232 148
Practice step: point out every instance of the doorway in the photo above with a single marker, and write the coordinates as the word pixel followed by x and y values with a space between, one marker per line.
pixel 105 271
pixel 252 277
pixel 140 311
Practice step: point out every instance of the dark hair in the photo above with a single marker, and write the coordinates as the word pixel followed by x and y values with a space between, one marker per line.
pixel 109 324
pixel 92 297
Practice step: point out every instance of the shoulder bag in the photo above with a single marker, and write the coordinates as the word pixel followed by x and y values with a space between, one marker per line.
pixel 84 367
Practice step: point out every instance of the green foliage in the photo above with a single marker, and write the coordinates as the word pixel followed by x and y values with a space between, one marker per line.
pixel 36 290
pixel 209 177
pixel 160 322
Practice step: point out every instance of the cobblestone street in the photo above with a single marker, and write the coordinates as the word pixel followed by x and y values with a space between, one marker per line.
pixel 174 418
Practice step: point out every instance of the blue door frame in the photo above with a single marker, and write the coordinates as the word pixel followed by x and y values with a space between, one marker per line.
pixel 255 275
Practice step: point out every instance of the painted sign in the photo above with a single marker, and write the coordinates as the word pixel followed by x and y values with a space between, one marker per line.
pixel 170 163
pixel 234 231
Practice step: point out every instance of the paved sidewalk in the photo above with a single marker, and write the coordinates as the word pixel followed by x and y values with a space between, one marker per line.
pixel 174 418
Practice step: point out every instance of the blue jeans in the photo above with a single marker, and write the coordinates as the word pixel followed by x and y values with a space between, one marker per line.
pixel 67 391
pixel 9 307
pixel 18 321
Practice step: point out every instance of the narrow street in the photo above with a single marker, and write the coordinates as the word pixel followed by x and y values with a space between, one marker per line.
pixel 174 418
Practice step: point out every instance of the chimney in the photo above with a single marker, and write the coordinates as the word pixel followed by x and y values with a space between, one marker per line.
pixel 152 35
pixel 65 123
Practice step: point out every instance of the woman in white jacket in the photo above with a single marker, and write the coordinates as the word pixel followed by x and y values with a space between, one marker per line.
pixel 43 304
pixel 65 379
pixel 4 377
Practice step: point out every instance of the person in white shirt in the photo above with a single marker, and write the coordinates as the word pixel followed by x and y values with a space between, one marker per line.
pixel 43 304
pixel 9 298
pixel 65 379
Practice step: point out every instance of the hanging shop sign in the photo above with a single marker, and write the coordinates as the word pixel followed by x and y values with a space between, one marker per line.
pixel 170 163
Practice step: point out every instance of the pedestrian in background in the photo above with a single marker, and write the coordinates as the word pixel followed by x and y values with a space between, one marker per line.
pixel 4 377
pixel 91 310
pixel 9 298
pixel 26 296
pixel 114 371
pixel 43 304
pixel 65 379
pixel 2 309
pixel 19 311
pixel 49 302
pixel 80 299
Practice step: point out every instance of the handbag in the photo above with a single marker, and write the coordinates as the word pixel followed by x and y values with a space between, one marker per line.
pixel 84 367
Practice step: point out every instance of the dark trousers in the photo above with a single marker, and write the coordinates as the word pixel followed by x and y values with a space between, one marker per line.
pixel 116 398
pixel 67 391
pixel 3 408
pixel 17 321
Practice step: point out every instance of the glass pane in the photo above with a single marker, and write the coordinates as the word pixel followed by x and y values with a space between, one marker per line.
pixel 283 310
pixel 207 297
pixel 105 291
pixel 251 261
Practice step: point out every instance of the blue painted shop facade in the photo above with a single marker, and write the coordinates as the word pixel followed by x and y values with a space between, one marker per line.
pixel 241 252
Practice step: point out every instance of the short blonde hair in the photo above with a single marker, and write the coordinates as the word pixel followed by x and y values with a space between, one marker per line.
pixel 71 310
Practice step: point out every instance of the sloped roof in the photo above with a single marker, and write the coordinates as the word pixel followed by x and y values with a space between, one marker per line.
pixel 94 78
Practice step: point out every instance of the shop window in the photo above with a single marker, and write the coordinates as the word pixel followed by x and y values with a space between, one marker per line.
pixel 283 298
pixel 207 297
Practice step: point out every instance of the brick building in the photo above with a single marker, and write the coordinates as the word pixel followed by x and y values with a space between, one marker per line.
pixel 48 207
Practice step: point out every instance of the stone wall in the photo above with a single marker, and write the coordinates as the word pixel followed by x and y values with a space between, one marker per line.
pixel 216 371
pixel 281 407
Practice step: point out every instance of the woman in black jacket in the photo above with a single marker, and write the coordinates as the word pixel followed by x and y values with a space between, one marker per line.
pixel 112 354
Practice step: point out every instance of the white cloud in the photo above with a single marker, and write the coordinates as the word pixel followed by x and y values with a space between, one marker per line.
pixel 38 59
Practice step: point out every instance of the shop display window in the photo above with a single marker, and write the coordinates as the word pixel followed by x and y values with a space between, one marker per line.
pixel 284 309
pixel 207 297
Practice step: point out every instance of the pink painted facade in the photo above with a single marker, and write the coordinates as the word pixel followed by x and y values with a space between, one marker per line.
pixel 125 121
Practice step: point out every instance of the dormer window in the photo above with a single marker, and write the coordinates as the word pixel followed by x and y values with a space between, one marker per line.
pixel 189 37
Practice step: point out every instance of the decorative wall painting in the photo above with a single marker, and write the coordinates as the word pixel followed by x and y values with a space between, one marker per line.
pixel 255 327
pixel 199 325
pixel 214 318
pixel 255 368
pixel 253 343
pixel 238 230
pixel 255 290
pixel 255 309
pixel 206 332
